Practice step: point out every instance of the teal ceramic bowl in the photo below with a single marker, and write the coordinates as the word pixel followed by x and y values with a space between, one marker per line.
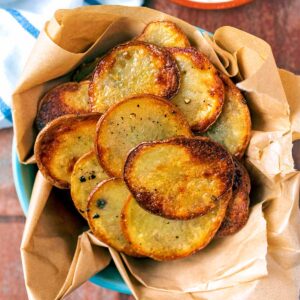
pixel 24 178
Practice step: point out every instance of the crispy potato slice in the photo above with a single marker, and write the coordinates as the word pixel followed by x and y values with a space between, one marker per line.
pixel 132 121
pixel 180 178
pixel 201 93
pixel 233 127
pixel 237 213
pixel 164 239
pixel 66 98
pixel 61 143
pixel 87 173
pixel 85 70
pixel 132 69
pixel 164 34
pixel 104 214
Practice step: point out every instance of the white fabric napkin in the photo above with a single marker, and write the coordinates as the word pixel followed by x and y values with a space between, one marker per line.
pixel 20 24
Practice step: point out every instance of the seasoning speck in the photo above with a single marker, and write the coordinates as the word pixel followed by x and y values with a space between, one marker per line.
pixel 214 198
pixel 177 236
pixel 82 179
pixel 93 176
pixel 132 115
pixel 101 203
pixel 187 100
pixel 96 216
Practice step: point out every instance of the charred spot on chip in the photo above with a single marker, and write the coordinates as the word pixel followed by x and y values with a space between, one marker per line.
pixel 101 203
pixel 82 179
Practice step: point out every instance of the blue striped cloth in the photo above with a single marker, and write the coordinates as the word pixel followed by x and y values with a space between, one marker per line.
pixel 20 25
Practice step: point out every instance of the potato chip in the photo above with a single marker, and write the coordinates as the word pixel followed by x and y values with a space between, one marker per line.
pixel 164 239
pixel 164 34
pixel 61 143
pixel 132 121
pixel 180 178
pixel 201 93
pixel 87 173
pixel 237 212
pixel 132 69
pixel 233 127
pixel 66 98
pixel 104 214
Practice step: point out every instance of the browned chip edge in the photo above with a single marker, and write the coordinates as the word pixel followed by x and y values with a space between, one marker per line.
pixel 173 79
pixel 144 197
pixel 202 62
pixel 226 198
pixel 228 83
pixel 237 213
pixel 171 24
pixel 99 150
pixel 128 250
pixel 49 104
pixel 52 127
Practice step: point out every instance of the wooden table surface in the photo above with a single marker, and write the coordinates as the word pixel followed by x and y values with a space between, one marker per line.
pixel 276 21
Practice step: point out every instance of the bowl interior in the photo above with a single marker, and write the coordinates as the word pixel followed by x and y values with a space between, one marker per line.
pixel 24 176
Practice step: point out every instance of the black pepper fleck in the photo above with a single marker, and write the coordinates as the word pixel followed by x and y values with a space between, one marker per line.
pixel 93 176
pixel 96 216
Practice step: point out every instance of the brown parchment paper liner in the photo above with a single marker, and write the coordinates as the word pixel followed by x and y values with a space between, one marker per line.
pixel 259 262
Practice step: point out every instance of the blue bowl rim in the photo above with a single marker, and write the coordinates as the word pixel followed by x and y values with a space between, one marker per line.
pixel 118 284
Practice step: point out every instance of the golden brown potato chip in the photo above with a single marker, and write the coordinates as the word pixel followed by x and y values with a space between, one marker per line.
pixel 104 214
pixel 87 173
pixel 85 70
pixel 164 34
pixel 201 93
pixel 233 127
pixel 66 98
pixel 180 178
pixel 132 121
pixel 164 239
pixel 61 143
pixel 132 69
pixel 237 213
